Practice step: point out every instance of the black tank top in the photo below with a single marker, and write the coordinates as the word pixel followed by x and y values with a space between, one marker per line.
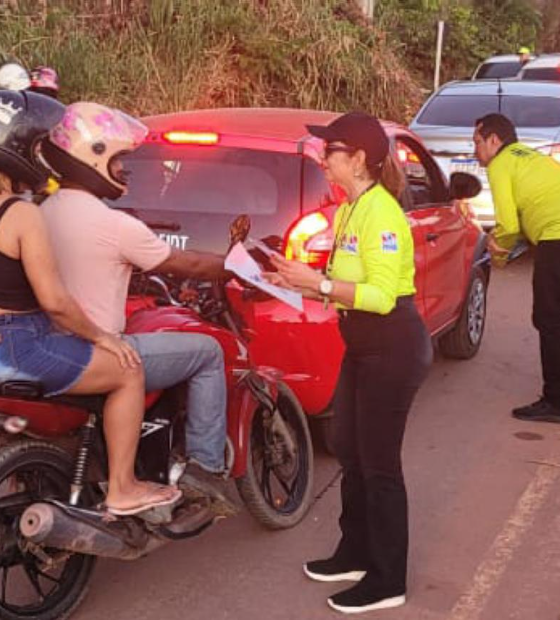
pixel 15 291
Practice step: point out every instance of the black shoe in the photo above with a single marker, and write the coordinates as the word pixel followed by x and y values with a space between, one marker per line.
pixel 540 411
pixel 362 597
pixel 331 570
pixel 197 483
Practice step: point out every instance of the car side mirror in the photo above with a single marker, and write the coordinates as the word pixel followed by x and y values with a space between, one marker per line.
pixel 464 185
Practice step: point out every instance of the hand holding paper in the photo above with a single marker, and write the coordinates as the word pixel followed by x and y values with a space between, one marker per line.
pixel 242 264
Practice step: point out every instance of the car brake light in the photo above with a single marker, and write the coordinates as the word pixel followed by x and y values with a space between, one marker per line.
pixel 191 137
pixel 310 240
pixel 407 157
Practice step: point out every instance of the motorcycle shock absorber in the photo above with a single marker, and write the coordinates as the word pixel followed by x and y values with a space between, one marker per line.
pixel 87 435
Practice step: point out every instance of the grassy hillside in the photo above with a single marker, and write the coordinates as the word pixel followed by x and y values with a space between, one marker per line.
pixel 201 53
pixel 151 56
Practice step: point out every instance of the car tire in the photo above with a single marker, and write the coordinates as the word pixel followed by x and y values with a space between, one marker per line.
pixel 463 341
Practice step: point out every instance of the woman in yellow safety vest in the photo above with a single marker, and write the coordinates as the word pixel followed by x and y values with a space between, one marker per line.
pixel 370 279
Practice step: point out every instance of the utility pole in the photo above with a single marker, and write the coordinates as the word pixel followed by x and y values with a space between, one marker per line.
pixel 439 48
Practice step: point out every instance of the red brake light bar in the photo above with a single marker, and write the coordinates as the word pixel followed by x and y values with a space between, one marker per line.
pixel 191 137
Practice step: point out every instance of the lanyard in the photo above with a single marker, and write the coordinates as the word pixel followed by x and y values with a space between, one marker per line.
pixel 343 225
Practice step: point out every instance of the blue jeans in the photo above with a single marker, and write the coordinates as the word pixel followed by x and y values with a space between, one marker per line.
pixel 33 349
pixel 170 358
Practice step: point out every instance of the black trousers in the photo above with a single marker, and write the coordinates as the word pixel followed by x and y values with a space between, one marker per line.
pixel 546 315
pixel 386 361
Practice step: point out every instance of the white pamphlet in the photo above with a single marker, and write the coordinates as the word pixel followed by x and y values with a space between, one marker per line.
pixel 243 265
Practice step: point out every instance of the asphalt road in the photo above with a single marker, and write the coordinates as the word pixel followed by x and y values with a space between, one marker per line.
pixel 484 497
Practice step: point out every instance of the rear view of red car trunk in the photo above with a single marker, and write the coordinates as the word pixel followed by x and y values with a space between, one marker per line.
pixel 198 170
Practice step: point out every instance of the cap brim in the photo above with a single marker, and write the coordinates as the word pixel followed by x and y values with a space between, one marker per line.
pixel 322 131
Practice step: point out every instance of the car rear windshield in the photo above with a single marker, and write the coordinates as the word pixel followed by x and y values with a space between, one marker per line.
pixel 549 74
pixel 491 70
pixel 464 110
pixel 199 190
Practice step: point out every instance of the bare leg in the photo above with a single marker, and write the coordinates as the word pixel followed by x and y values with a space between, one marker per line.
pixel 122 416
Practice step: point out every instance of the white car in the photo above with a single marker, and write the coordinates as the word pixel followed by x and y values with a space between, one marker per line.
pixel 446 124
pixel 545 68
pixel 499 67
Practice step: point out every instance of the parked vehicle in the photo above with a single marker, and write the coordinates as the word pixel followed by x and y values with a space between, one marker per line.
pixel 543 68
pixel 197 169
pixel 446 123
pixel 53 465
pixel 499 67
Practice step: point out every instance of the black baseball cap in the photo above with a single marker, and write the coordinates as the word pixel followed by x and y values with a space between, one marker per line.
pixel 357 130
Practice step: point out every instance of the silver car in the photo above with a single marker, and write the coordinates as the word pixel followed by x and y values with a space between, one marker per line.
pixel 446 122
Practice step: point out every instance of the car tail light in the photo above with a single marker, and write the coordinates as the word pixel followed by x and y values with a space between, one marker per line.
pixel 191 137
pixel 406 156
pixel 310 240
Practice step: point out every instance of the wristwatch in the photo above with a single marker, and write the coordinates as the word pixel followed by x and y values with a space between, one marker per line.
pixel 326 287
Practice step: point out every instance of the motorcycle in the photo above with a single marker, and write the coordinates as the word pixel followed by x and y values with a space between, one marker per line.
pixel 53 466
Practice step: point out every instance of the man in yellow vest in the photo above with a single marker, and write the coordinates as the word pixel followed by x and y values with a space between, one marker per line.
pixel 525 188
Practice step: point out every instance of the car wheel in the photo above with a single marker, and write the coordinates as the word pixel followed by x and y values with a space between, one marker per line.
pixel 464 340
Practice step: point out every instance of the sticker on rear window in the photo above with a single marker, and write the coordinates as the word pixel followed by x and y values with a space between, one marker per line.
pixel 389 242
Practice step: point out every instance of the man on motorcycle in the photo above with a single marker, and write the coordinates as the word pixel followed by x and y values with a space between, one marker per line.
pixel 96 249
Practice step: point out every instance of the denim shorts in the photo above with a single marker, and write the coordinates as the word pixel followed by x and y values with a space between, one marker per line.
pixel 32 349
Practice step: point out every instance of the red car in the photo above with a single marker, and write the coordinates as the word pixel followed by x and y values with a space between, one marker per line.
pixel 200 169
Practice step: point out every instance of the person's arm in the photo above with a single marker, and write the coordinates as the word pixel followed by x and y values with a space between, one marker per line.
pixel 194 264
pixel 382 246
pixel 507 229
pixel 301 277
pixel 40 267
pixel 141 247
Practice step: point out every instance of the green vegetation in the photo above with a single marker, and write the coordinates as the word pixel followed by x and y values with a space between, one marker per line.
pixel 164 55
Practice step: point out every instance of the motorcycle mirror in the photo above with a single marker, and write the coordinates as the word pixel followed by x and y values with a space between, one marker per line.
pixel 239 229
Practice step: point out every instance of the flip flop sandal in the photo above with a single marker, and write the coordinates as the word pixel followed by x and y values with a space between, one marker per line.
pixel 127 512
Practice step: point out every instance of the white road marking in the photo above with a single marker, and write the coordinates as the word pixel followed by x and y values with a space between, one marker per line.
pixel 489 573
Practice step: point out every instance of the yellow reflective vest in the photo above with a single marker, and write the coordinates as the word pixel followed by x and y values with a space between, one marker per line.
pixel 525 188
pixel 374 248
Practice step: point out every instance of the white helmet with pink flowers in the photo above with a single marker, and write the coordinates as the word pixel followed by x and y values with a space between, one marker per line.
pixel 86 146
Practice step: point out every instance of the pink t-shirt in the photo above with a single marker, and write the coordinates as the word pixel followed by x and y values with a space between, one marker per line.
pixel 96 248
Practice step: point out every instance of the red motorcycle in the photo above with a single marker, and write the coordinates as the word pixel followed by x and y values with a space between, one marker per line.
pixel 53 466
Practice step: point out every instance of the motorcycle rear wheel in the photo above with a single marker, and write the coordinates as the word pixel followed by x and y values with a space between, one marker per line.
pixel 31 471
pixel 278 486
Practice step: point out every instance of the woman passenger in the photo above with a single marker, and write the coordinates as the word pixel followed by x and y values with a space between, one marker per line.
pixel 44 335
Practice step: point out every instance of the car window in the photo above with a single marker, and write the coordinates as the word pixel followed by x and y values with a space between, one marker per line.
pixel 317 192
pixel 551 74
pixel 424 180
pixel 490 70
pixel 464 110
pixel 201 189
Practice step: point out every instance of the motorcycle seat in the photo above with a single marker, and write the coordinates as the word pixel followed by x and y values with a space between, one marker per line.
pixel 33 390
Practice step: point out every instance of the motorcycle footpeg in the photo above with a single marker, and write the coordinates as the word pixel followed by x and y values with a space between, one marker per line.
pixel 189 519
pixel 160 515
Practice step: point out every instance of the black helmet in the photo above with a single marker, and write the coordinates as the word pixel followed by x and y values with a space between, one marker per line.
pixel 25 119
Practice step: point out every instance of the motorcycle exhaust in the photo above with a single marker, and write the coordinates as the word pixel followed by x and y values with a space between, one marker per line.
pixel 82 531
pixel 86 531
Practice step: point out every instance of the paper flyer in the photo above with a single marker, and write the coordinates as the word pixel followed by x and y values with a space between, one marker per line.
pixel 243 265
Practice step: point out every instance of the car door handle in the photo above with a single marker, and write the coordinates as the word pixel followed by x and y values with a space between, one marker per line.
pixel 432 236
